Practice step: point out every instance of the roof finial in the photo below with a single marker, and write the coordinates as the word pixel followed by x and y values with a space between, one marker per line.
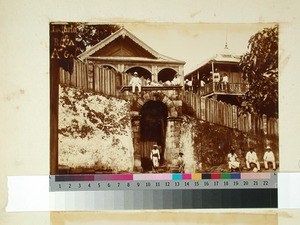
pixel 226 46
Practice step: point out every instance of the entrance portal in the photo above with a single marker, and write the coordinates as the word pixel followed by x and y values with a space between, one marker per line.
pixel 153 130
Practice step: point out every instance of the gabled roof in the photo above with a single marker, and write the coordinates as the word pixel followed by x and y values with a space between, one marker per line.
pixel 224 57
pixel 125 33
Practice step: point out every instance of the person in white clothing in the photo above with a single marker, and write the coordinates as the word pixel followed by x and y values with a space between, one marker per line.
pixel 155 157
pixel 251 157
pixel 176 80
pixel 136 82
pixel 233 162
pixel 269 157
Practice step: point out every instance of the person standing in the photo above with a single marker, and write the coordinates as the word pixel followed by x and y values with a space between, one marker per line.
pixel 180 162
pixel 155 157
pixel 136 82
pixel 233 162
pixel 251 157
pixel 269 157
pixel 195 84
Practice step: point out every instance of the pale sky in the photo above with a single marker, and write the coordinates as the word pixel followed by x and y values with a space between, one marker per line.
pixel 194 43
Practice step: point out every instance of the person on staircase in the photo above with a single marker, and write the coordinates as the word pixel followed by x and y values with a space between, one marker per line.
pixel 155 157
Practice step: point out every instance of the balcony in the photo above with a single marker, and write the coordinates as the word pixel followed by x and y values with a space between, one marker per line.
pixel 223 89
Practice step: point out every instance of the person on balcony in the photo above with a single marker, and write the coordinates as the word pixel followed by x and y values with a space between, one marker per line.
pixel 225 82
pixel 176 80
pixel 269 158
pixel 136 82
pixel 216 78
pixel 252 160
pixel 195 84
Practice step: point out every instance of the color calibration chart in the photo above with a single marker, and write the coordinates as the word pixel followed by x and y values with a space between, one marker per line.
pixel 167 191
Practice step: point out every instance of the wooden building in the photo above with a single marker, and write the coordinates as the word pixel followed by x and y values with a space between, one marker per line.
pixel 125 53
pixel 219 77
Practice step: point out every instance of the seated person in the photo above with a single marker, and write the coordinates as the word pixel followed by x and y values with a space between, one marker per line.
pixel 251 158
pixel 269 157
pixel 233 162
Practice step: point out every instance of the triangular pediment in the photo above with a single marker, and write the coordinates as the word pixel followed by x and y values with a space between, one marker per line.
pixel 123 46
pixel 122 43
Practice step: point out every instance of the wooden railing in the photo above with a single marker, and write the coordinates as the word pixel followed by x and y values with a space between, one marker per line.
pixel 226 88
pixel 227 115
pixel 92 78
pixel 109 82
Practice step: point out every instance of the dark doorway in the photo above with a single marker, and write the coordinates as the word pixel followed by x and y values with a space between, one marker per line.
pixel 153 128
pixel 141 72
pixel 166 74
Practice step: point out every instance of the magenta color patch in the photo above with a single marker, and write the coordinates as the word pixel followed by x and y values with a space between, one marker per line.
pixel 186 176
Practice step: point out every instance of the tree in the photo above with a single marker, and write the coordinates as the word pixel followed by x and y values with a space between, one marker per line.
pixel 89 35
pixel 260 68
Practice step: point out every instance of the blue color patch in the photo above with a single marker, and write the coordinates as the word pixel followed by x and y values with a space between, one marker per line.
pixel 235 176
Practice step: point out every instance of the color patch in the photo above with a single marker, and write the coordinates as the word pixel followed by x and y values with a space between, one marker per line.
pixel 235 176
pixel 205 176
pixel 186 176
pixel 215 176
pixel 226 176
pixel 177 176
pixel 196 176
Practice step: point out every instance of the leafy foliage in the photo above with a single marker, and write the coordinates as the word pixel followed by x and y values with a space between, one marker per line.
pixel 260 69
pixel 89 35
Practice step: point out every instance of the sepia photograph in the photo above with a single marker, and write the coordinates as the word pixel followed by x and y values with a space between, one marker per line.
pixel 163 98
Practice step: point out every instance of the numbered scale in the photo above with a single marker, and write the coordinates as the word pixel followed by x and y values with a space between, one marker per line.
pixel 177 182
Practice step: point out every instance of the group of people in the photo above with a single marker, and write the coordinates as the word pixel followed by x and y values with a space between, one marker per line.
pixel 221 81
pixel 136 82
pixel 252 161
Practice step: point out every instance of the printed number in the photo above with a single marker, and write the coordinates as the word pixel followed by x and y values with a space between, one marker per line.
pixel 167 184
pixel 157 184
pixel 265 182
pixel 148 184
pixel 235 183
pixel 118 184
pixel 89 185
pixel 59 186
pixel 99 185
pixel 226 183
pixel 128 184
pixel 216 183
pixel 177 184
pixel 79 185
pixel 206 183
pixel 196 183
pixel 186 183
pixel 108 184
pixel 138 184
pixel 246 183
pixel 255 182
pixel 70 185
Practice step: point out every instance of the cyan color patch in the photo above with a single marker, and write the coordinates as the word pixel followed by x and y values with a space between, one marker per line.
pixel 177 176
